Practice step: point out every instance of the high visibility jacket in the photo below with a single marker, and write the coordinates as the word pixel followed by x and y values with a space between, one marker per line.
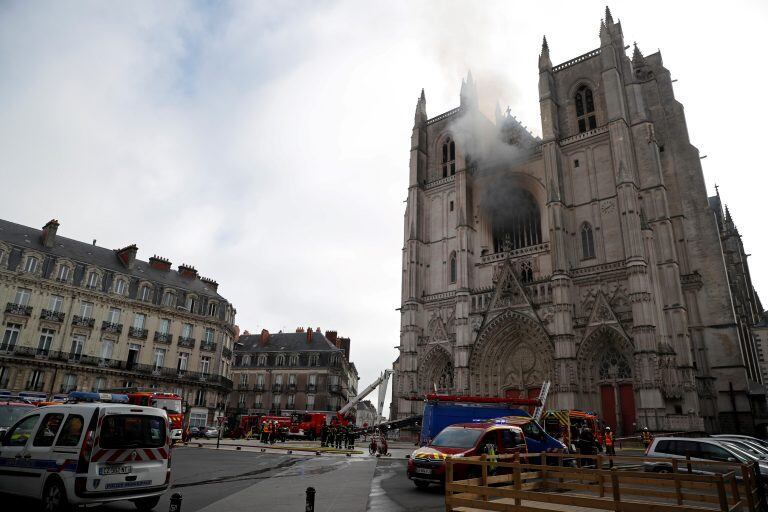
pixel 492 457
pixel 646 436
pixel 609 439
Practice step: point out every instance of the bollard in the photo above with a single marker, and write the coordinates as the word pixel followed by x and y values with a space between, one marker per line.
pixel 175 503
pixel 310 499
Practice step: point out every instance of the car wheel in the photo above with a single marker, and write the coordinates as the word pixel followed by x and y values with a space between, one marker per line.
pixel 55 497
pixel 663 469
pixel 421 484
pixel 146 504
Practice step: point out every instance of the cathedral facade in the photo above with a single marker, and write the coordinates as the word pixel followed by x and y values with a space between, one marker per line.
pixel 591 257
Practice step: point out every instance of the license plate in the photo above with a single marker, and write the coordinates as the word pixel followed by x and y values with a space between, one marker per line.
pixel 424 471
pixel 115 470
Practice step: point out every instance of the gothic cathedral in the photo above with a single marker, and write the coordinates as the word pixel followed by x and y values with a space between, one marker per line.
pixel 591 258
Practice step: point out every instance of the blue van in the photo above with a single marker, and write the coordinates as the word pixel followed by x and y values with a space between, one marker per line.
pixel 438 415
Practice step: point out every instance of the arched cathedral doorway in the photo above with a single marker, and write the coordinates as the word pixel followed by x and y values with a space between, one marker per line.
pixel 436 372
pixel 605 370
pixel 512 357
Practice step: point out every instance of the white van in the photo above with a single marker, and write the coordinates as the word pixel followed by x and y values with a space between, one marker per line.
pixel 78 453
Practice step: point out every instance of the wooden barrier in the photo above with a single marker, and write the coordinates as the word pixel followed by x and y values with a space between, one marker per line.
pixel 536 482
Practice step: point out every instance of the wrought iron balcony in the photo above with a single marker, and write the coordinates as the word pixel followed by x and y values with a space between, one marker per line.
pixel 226 353
pixel 208 346
pixel 334 388
pixel 35 387
pixel 53 316
pixel 18 309
pixel 139 334
pixel 257 405
pixel 186 342
pixel 277 388
pixel 82 321
pixel 163 337
pixel 42 353
pixel 110 327
pixel 258 387
pixel 311 388
pixel 292 387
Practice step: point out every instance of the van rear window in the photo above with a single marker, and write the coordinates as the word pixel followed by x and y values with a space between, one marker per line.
pixel 132 431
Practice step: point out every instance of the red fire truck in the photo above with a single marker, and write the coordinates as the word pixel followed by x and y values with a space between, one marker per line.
pixel 171 402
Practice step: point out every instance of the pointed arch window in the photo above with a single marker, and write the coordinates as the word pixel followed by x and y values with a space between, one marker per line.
pixel 587 242
pixel 585 109
pixel 453 269
pixel 449 157
pixel 517 222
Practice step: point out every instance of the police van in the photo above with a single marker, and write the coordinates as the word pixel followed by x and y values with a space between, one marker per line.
pixel 93 449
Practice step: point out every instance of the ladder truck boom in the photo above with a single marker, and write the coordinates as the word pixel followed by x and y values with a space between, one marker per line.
pixel 384 377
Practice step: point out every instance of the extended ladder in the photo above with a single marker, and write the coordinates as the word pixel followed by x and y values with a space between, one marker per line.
pixel 543 399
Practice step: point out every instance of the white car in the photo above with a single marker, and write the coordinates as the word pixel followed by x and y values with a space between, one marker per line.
pixel 81 453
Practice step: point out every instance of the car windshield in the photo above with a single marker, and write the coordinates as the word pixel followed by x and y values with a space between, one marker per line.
pixel 132 431
pixel 742 455
pixel 169 404
pixel 747 447
pixel 10 414
pixel 457 437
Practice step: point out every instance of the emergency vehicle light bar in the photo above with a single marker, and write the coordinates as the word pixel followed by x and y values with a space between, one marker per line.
pixel 88 396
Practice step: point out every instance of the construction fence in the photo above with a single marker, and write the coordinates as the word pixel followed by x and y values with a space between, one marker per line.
pixel 545 481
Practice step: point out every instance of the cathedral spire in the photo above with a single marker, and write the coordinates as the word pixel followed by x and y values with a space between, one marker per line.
pixel 468 95
pixel 544 61
pixel 421 110
pixel 605 36
pixel 608 17
pixel 637 57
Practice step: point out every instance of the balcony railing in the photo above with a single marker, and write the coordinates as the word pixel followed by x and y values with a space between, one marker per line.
pixel 311 388
pixel 186 342
pixel 18 309
pixel 139 334
pixel 114 364
pixel 82 321
pixel 257 405
pixel 163 337
pixel 334 388
pixel 226 353
pixel 277 388
pixel 292 387
pixel 110 327
pixel 53 316
pixel 208 346
pixel 35 387
pixel 258 387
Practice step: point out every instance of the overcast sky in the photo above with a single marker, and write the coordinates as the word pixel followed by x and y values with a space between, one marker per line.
pixel 266 143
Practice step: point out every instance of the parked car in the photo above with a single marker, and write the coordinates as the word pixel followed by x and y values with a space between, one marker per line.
pixel 700 451
pixel 210 432
pixel 427 464
pixel 83 453
pixel 752 448
pixel 755 440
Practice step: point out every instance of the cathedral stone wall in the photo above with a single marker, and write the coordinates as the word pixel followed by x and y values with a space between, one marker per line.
pixel 591 257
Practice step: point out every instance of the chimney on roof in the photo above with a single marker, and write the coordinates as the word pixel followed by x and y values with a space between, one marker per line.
pixel 332 335
pixel 309 335
pixel 344 344
pixel 264 337
pixel 159 263
pixel 49 233
pixel 187 271
pixel 127 255
pixel 210 282
pixel 299 329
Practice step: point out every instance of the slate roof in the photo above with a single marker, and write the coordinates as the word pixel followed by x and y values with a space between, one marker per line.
pixel 287 342
pixel 81 252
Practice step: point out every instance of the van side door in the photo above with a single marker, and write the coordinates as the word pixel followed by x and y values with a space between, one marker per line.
pixel 15 465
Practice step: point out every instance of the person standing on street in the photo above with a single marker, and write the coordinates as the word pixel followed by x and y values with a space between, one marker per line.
pixel 646 436
pixel 608 438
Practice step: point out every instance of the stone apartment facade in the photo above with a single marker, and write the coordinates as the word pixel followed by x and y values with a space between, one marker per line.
pixel 591 258
pixel 77 316
pixel 292 372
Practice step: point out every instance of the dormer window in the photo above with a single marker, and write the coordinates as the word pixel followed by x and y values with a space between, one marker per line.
pixel 585 109
pixel 145 293
pixel 191 304
pixel 262 361
pixel 280 360
pixel 169 299
pixel 212 309
pixel 449 157
pixel 314 360
pixel 293 360
pixel 93 280
pixel 30 265
pixel 120 287
pixel 63 274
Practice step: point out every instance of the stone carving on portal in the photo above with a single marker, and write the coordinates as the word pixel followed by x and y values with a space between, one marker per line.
pixel 512 352
pixel 606 355
pixel 436 371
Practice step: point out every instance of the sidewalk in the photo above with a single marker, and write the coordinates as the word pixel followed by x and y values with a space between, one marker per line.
pixel 341 485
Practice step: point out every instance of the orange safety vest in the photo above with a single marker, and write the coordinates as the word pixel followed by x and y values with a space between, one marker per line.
pixel 609 439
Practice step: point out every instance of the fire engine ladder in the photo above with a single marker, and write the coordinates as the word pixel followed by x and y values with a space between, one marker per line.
pixel 543 399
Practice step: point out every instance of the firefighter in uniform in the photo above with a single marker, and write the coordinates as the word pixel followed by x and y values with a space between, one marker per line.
pixel 324 435
pixel 647 437
pixel 608 439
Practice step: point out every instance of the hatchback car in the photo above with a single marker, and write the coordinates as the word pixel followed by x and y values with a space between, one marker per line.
pixel 698 451
pixel 427 464
pixel 84 453
pixel 210 432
